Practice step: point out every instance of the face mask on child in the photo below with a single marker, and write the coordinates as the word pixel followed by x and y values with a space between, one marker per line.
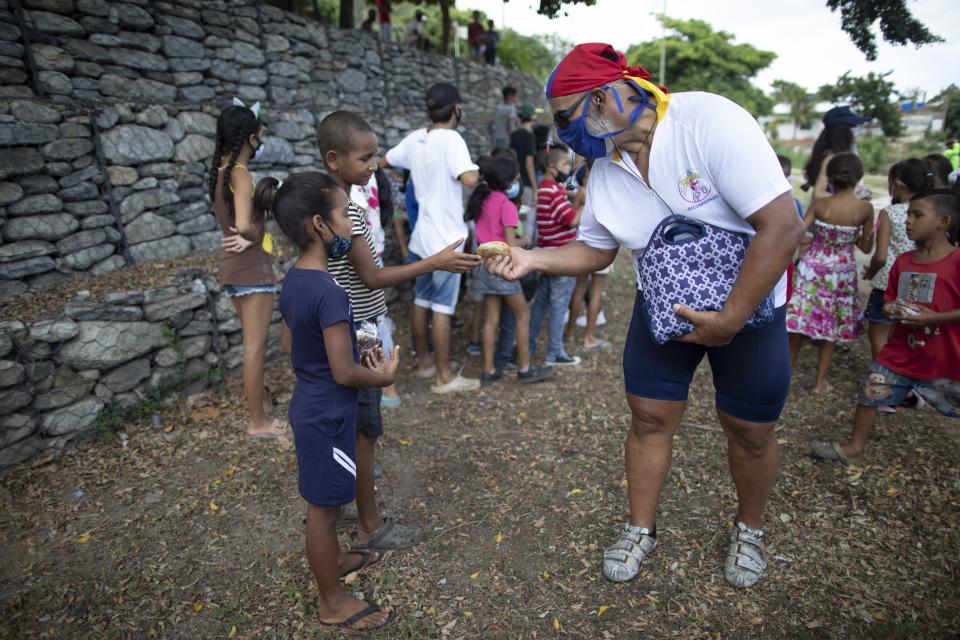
pixel 338 247
pixel 513 191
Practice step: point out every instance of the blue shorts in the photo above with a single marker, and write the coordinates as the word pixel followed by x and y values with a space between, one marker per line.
pixel 437 291
pixel 487 284
pixel 883 387
pixel 235 290
pixel 751 375
pixel 326 459
pixel 874 311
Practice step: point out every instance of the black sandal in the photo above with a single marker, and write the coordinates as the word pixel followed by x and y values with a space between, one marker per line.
pixel 365 562
pixel 347 625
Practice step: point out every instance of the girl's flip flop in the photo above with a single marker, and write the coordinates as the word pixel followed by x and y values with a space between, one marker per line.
pixel 601 344
pixel 369 558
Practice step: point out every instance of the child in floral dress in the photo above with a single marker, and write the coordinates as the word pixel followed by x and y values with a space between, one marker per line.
pixel 825 306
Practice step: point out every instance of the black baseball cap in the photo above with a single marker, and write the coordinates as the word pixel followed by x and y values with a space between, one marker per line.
pixel 843 115
pixel 442 94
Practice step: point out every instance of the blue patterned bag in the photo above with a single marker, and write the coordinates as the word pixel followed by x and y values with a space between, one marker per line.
pixel 695 264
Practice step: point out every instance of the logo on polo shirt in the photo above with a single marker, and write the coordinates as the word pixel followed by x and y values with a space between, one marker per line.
pixel 693 187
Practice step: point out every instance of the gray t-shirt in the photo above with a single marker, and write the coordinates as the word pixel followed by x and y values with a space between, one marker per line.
pixel 504 114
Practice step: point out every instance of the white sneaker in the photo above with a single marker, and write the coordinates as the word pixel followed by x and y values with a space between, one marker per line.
pixel 601 320
pixel 621 562
pixel 457 384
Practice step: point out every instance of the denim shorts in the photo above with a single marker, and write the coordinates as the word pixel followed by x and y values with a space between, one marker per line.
pixel 487 284
pixel 236 290
pixel 874 311
pixel 751 375
pixel 438 291
pixel 883 387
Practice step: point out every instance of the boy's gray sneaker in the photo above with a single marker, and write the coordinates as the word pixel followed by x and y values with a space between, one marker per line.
pixel 621 562
pixel 745 564
pixel 536 374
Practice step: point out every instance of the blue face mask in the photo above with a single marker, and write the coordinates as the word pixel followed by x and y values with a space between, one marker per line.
pixel 338 247
pixel 588 145
pixel 513 191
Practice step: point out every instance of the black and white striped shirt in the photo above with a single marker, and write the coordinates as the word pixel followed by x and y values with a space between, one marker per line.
pixel 367 304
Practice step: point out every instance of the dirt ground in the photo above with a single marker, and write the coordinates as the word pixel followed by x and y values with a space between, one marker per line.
pixel 195 533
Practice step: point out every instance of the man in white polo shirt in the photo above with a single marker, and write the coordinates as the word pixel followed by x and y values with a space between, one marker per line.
pixel 440 165
pixel 702 156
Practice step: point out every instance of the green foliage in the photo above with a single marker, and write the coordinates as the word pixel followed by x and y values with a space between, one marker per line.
pixel 897 24
pixel 872 96
pixel 533 55
pixel 873 153
pixel 701 59
pixel 800 101
pixel 551 8
pixel 951 125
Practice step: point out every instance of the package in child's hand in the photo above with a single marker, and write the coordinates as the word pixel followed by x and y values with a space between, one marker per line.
pixel 368 338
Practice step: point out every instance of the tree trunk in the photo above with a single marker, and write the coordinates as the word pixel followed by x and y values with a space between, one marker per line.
pixel 346 14
pixel 445 12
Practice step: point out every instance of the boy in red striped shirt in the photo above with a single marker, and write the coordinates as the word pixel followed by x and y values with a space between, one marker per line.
pixel 557 221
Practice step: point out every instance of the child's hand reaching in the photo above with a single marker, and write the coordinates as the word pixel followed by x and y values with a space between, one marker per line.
pixel 455 261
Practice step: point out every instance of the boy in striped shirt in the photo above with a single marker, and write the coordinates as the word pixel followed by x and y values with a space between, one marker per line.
pixel 557 221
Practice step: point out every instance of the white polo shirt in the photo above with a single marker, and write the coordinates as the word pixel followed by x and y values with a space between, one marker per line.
pixel 709 161
pixel 436 159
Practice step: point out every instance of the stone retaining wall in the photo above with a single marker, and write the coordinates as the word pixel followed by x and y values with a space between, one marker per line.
pixel 57 375
pixel 107 118
pixel 108 112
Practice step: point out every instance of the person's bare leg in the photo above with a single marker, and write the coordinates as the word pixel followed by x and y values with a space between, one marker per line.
pixel 648 454
pixel 255 312
pixel 823 366
pixel 491 327
pixel 420 324
pixel 521 310
pixel 368 516
pixel 593 309
pixel 863 421
pixel 796 341
pixel 753 454
pixel 334 604
pixel 576 303
pixel 441 347
pixel 476 323
pixel 879 334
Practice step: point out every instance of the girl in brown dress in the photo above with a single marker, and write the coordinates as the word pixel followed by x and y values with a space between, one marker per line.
pixel 246 269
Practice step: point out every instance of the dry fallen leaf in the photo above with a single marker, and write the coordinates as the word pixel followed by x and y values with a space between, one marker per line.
pixel 204 413
pixel 197 607
pixel 474 576
pixel 233 631
pixel 499 537
pixel 85 538
pixel 214 506
pixel 405 443
pixel 556 623
pixel 602 610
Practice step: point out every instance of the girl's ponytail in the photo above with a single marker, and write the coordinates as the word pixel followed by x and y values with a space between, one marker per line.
pixel 263 199
pixel 475 203
pixel 914 174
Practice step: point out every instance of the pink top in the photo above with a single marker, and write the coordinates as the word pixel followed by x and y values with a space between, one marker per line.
pixel 496 214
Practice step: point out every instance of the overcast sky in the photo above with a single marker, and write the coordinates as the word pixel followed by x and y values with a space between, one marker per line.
pixel 811 49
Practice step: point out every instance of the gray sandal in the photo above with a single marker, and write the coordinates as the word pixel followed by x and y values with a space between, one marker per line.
pixel 621 562
pixel 744 565
pixel 391 535
pixel 830 451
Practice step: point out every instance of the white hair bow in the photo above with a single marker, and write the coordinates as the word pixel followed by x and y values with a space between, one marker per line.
pixel 237 102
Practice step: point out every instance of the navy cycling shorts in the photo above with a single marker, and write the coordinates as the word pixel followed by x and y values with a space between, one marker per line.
pixel 751 375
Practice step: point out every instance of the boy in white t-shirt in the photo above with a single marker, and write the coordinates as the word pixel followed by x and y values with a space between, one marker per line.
pixel 440 166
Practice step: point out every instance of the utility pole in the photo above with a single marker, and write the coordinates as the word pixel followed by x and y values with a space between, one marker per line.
pixel 663 46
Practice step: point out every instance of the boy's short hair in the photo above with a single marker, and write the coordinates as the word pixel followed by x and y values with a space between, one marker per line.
pixel 785 163
pixel 339 130
pixel 508 91
pixel 503 152
pixel 945 203
pixel 557 152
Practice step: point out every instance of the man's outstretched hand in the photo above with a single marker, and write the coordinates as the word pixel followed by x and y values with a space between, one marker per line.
pixel 513 267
